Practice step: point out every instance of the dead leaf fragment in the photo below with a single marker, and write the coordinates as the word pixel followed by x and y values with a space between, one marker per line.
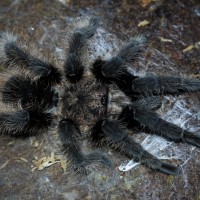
pixel 63 164
pixel 143 23
pixel 45 162
pixel 197 45
pixel 10 143
pixel 196 76
pixel 23 159
pixel 189 48
pixel 36 144
pixel 2 166
pixel 144 3
pixel 165 40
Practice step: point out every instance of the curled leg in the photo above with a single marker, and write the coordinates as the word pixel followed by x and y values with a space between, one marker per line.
pixel 79 161
pixel 116 136
pixel 73 66
pixel 150 120
pixel 13 55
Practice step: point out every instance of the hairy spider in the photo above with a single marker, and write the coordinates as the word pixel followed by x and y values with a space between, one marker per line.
pixel 105 100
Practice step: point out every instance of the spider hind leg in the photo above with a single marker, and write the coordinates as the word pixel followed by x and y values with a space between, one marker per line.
pixel 111 133
pixel 79 161
pixel 164 85
pixel 126 117
pixel 151 122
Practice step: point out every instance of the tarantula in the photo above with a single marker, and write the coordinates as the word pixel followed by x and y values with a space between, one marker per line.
pixel 105 100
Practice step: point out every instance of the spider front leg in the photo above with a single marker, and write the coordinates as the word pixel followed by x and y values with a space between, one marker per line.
pixel 151 122
pixel 29 92
pixel 13 55
pixel 116 66
pixel 68 135
pixel 113 134
pixel 24 123
pixel 116 70
pixel 74 67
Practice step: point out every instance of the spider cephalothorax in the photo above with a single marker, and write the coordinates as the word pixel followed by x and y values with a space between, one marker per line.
pixel 105 100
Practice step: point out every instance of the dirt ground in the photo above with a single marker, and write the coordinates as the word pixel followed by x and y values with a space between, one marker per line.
pixel 173 49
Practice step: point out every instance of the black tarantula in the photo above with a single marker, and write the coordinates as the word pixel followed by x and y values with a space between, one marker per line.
pixel 105 100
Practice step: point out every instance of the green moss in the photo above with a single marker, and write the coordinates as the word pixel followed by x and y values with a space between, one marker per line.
pixel 101 178
pixel 2 68
pixel 130 183
pixel 170 179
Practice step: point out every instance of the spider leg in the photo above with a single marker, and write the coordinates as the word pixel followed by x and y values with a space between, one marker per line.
pixel 116 66
pixel 116 136
pixel 164 85
pixel 79 161
pixel 152 102
pixel 27 91
pixel 115 69
pixel 148 119
pixel 73 66
pixel 135 87
pixel 23 123
pixel 126 117
pixel 12 55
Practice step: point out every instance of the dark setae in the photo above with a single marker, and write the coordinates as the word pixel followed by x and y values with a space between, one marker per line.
pixel 105 100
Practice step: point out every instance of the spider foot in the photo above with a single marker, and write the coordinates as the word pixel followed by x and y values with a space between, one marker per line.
pixel 191 138
pixel 169 169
